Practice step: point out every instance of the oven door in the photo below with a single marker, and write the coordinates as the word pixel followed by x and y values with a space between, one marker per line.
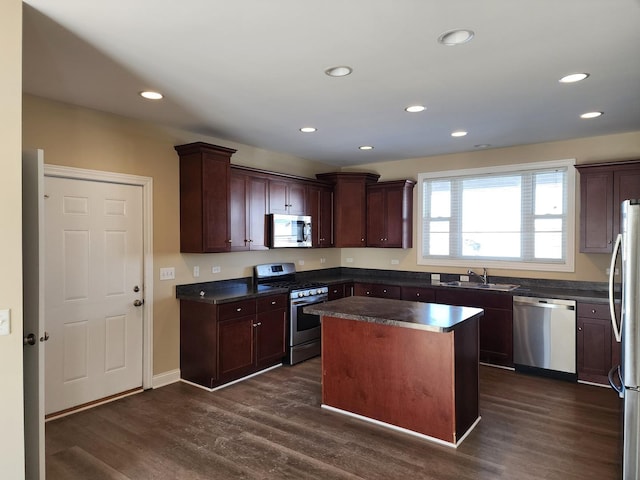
pixel 305 327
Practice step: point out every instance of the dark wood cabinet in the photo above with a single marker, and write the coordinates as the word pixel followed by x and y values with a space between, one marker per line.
pixel 248 207
pixel 496 325
pixel 419 294
pixel 340 290
pixel 349 206
pixel 287 197
pixel 603 187
pixel 390 214
pixel 204 197
pixel 320 207
pixel 377 290
pixel 597 349
pixel 222 343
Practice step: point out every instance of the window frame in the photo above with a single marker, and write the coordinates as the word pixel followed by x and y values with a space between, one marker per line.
pixel 570 247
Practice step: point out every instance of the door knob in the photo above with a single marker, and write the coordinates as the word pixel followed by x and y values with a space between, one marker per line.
pixel 29 339
pixel 138 303
pixel 136 289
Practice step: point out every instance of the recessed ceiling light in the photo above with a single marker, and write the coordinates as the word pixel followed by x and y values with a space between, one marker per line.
pixel 574 77
pixel 415 108
pixel 366 147
pixel 591 115
pixel 308 129
pixel 482 145
pixel 340 71
pixel 150 95
pixel 455 37
pixel 459 133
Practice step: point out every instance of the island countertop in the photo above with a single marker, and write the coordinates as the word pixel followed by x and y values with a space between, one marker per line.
pixel 431 317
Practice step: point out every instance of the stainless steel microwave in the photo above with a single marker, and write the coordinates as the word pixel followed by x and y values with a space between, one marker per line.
pixel 289 230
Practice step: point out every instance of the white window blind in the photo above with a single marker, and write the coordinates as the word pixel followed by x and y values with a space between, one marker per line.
pixel 519 215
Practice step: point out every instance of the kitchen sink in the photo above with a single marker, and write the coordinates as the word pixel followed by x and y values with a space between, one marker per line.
pixel 502 287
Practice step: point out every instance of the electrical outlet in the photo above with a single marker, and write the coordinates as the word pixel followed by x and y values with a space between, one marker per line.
pixel 464 278
pixel 5 322
pixel 615 272
pixel 323 260
pixel 435 277
pixel 395 262
pixel 215 269
pixel 167 273
pixel 349 260
pixel 196 271
pixel 300 262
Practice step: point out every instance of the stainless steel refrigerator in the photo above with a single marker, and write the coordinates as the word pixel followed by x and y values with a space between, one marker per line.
pixel 627 331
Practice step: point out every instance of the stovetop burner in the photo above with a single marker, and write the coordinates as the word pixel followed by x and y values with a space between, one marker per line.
pixel 283 275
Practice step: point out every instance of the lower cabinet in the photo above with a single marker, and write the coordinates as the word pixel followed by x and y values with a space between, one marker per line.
pixel 496 325
pixel 222 343
pixel 418 294
pixel 597 349
pixel 340 290
pixel 377 290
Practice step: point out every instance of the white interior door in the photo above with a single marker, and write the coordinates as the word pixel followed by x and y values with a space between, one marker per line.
pixel 33 307
pixel 93 281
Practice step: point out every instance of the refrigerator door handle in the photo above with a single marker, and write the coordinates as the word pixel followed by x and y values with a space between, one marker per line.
pixel 619 389
pixel 614 322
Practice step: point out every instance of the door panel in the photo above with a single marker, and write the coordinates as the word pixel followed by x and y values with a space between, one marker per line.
pixel 93 262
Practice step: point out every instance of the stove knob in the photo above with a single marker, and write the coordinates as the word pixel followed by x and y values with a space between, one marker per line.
pixel 312 292
pixel 306 293
pixel 300 294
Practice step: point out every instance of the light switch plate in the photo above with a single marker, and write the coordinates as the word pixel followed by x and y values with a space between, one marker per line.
pixel 216 269
pixel 5 322
pixel 167 273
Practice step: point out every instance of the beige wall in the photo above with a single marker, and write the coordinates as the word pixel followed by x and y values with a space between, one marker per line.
pixel 83 138
pixel 11 406
pixel 79 137
pixel 587 150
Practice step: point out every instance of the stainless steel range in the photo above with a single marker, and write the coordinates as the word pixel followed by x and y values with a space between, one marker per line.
pixel 304 329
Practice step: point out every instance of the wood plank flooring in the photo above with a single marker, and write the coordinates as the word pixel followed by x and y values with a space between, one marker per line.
pixel 272 427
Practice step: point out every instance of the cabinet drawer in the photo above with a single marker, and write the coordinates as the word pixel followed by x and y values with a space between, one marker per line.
pixel 594 310
pixel 272 302
pixel 236 309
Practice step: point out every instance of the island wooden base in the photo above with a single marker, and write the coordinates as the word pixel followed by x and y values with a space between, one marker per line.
pixel 425 382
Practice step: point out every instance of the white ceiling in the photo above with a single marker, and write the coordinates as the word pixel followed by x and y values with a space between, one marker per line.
pixel 252 71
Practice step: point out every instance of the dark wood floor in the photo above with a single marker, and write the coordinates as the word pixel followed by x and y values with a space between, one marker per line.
pixel 272 427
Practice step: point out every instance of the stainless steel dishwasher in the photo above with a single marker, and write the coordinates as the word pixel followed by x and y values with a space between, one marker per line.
pixel 544 335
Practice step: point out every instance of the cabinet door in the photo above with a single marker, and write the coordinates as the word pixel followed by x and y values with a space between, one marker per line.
pixel 626 186
pixel 496 337
pixel 596 212
pixel 325 223
pixel 350 214
pixel 236 355
pixel 594 349
pixel 257 210
pixel 376 218
pixel 239 212
pixel 287 197
pixel 270 337
pixel 336 291
pixel 395 218
pixel 419 294
pixel 377 290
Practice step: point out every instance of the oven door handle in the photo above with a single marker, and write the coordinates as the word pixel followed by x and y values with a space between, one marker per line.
pixel 300 302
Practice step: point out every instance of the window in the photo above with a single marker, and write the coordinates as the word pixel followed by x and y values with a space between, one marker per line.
pixel 518 217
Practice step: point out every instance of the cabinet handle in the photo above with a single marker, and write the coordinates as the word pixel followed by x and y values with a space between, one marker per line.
pixel 417 294
pixel 228 241
pixel 238 309
pixel 273 302
pixel 579 329
pixel 384 291
pixel 257 324
pixel 593 310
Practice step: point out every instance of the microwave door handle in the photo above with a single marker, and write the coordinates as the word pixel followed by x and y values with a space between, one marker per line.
pixel 617 331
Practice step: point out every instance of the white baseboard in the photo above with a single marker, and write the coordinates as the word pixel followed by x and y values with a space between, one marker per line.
pixel 166 378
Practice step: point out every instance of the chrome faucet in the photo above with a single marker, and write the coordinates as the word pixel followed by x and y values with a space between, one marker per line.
pixel 483 277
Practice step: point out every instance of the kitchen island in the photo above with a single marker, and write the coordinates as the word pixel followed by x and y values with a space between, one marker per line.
pixel 405 365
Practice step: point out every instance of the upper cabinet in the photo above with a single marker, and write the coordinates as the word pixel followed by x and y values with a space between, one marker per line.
pixel 287 197
pixel 204 197
pixel 390 214
pixel 349 206
pixel 320 207
pixel 603 187
pixel 248 208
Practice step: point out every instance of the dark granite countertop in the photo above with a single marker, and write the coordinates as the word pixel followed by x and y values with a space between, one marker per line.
pixel 420 316
pixel 225 291
pixel 243 288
